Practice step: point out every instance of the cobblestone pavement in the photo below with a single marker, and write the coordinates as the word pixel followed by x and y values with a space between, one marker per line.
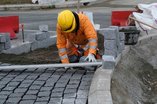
pixel 45 86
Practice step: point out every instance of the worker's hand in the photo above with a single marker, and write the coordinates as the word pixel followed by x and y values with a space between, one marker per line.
pixel 90 58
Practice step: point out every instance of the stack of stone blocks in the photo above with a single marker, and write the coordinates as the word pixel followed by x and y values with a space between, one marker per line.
pixel 114 44
pixel 42 39
pixel 4 41
pixel 114 41
pixel 32 41
pixel 39 40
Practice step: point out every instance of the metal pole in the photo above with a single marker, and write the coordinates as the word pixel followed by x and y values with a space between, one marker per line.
pixel 23 36
pixel 52 65
pixel 78 6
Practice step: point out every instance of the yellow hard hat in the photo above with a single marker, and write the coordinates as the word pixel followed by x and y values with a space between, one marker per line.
pixel 66 21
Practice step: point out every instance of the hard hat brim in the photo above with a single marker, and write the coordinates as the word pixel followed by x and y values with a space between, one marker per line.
pixel 72 28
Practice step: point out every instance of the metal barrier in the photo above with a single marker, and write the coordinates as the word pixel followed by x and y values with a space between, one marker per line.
pixel 9 24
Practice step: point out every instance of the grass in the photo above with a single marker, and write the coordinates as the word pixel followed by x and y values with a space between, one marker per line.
pixel 15 2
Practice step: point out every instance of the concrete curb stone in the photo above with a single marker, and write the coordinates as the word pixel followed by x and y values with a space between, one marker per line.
pixel 24 48
pixel 101 83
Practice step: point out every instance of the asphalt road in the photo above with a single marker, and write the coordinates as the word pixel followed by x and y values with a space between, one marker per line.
pixel 32 19
pixel 101 13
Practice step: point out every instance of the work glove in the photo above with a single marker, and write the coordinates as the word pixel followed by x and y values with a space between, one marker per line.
pixel 90 58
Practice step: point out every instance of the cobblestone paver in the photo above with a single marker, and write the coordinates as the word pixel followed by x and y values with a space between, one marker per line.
pixel 45 86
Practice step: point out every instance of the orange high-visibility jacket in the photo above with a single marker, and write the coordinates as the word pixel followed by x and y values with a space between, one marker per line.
pixel 85 34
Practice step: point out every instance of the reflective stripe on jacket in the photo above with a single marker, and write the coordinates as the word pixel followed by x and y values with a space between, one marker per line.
pixel 85 34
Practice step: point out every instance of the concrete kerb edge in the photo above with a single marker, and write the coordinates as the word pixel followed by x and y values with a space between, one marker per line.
pixel 97 94
pixel 101 83
pixel 28 46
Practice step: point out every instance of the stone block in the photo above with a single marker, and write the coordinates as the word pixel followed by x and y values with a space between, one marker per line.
pixel 8 88
pixel 20 90
pixel 127 28
pixel 72 86
pixel 2 46
pixel 82 94
pixel 41 102
pixel 24 85
pixel 117 27
pixel 58 90
pixel 43 28
pixel 70 95
pixel 69 101
pixel 110 45
pixel 42 35
pixel 80 101
pixel 42 99
pixel 101 81
pixel 57 95
pixel 27 102
pixel 32 92
pixel 122 46
pixel 55 101
pixel 43 44
pixel 104 98
pixel 2 38
pixel 14 95
pixel 7 45
pixel 110 52
pixel 54 33
pixel 135 37
pixel 70 91
pixel 84 87
pixel 30 37
pixel 60 85
pixel 48 84
pixel 121 36
pixel 38 82
pixel 44 93
pixel 7 36
pixel 24 48
pixel 34 87
pixel 13 100
pixel 108 62
pixel 109 33
pixel 13 84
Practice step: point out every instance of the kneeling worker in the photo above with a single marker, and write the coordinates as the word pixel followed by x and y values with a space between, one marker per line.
pixel 76 37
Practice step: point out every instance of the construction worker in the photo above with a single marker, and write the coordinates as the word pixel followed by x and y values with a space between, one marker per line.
pixel 76 37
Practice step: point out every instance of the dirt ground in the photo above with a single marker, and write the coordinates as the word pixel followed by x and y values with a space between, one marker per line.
pixel 41 56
